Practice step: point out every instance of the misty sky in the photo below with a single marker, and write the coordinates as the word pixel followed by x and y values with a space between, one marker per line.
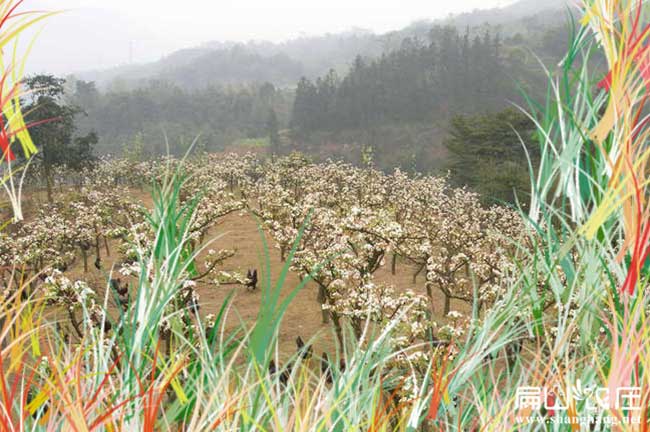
pixel 96 34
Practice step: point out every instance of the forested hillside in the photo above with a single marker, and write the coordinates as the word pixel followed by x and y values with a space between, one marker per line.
pixel 421 81
pixel 162 113
pixel 256 61
pixel 313 56
pixel 401 103
pixel 391 98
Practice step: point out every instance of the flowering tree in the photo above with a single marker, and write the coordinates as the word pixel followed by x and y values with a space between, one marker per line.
pixel 470 247
pixel 350 232
pixel 358 220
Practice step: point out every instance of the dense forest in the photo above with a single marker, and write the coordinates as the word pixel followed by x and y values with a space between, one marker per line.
pixel 162 114
pixel 418 82
pixel 232 66
pixel 399 102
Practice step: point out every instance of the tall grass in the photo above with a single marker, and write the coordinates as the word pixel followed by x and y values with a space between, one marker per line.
pixel 14 128
pixel 583 324
pixel 569 306
pixel 133 378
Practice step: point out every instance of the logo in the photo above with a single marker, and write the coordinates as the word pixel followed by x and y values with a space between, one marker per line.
pixel 578 404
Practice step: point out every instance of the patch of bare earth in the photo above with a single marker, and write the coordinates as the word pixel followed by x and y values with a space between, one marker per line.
pixel 239 231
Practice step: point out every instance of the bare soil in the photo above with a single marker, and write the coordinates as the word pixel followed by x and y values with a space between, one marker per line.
pixel 239 231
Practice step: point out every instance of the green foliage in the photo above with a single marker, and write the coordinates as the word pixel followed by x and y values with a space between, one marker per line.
pixel 162 113
pixel 56 138
pixel 272 310
pixel 134 151
pixel 397 103
pixel 272 129
pixel 417 82
pixel 487 153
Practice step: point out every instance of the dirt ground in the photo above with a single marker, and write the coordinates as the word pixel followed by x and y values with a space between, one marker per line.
pixel 239 231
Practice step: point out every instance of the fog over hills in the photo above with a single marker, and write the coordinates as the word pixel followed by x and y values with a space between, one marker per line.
pixel 140 54
pixel 329 95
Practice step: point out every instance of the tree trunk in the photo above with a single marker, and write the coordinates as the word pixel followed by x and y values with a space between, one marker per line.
pixel 429 314
pixel 48 182
pixel 75 323
pixel 108 251
pixel 393 264
pixel 430 295
pixel 336 319
pixel 429 331
pixel 84 254
pixel 447 304
pixel 97 246
pixel 415 275
pixel 357 327
pixel 322 300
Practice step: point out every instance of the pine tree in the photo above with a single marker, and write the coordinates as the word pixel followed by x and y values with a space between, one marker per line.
pixel 273 132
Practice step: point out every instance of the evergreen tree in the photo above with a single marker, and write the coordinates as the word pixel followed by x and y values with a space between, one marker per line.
pixel 273 132
pixel 415 83
pixel 486 153
pixel 305 107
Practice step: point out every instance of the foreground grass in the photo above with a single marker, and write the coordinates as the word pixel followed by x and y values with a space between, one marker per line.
pixel 574 318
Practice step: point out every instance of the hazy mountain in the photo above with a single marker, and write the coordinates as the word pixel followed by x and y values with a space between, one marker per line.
pixel 284 63
pixel 516 11
pixel 230 62
pixel 525 17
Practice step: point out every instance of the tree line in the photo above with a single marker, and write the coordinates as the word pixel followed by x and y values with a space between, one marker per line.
pixel 163 114
pixel 421 81
pixel 432 106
